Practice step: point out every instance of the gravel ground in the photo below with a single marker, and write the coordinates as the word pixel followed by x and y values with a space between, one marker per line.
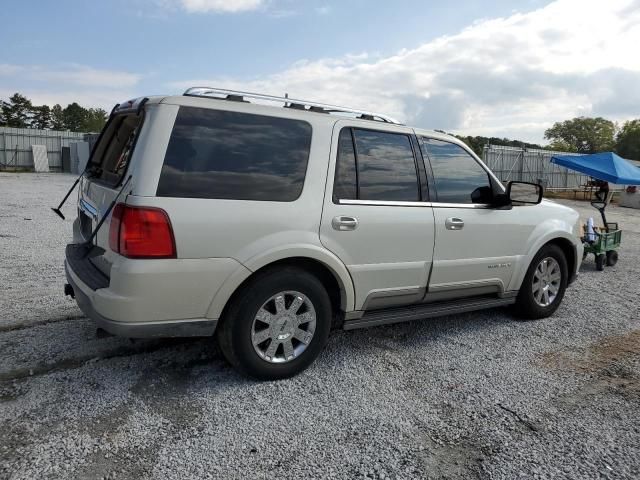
pixel 468 396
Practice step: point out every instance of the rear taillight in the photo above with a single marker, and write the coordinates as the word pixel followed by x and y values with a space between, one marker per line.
pixel 141 232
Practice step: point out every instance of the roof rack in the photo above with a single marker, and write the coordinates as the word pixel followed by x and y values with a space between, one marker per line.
pixel 239 96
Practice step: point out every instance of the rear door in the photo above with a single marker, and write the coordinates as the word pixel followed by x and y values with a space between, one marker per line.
pixel 376 216
pixel 108 168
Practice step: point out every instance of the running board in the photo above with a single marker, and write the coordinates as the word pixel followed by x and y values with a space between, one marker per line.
pixel 373 318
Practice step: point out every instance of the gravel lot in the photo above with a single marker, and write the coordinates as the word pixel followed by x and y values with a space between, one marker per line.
pixel 468 396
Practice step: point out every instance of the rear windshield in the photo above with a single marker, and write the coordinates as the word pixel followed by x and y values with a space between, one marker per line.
pixel 113 151
pixel 231 155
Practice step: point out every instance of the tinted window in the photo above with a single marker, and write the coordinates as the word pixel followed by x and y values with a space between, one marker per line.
pixel 458 176
pixel 114 150
pixel 217 154
pixel 345 183
pixel 386 167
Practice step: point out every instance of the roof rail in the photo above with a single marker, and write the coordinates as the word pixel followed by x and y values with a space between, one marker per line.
pixel 235 95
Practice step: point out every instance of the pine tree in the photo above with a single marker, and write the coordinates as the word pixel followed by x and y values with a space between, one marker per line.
pixel 17 111
pixel 41 117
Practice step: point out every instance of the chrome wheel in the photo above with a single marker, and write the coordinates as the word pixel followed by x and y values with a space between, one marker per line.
pixel 546 281
pixel 283 327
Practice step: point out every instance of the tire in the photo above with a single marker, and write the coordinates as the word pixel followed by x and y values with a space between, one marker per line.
pixel 601 259
pixel 528 304
pixel 257 313
pixel 612 258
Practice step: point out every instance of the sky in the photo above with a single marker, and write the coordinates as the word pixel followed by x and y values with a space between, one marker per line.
pixel 495 68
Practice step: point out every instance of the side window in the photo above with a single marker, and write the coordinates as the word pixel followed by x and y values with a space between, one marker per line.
pixel 345 184
pixel 457 175
pixel 380 167
pixel 231 155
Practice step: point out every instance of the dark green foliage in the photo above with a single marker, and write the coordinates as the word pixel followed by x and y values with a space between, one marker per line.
pixel 17 111
pixel 74 117
pixel 628 140
pixel 95 120
pixel 583 134
pixel 41 117
pixel 57 118
pixel 20 113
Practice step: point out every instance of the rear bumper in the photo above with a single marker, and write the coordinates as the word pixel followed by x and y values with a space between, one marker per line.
pixel 181 328
pixel 150 298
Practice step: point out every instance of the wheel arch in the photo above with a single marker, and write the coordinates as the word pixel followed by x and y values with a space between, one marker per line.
pixel 570 253
pixel 564 240
pixel 332 273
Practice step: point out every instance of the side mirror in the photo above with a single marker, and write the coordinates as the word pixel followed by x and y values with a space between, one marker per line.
pixel 524 193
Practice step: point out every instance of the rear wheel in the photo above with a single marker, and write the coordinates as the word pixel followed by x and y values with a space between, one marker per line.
pixel 277 325
pixel 544 284
pixel 601 259
pixel 612 258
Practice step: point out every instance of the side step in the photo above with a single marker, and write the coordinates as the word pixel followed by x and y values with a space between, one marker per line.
pixel 385 316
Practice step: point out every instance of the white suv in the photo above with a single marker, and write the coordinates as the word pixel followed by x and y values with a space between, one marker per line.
pixel 269 225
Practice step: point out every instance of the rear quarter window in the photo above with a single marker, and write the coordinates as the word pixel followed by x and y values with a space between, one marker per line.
pixel 231 155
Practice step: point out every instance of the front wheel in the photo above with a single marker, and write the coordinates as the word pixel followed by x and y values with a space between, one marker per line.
pixel 612 258
pixel 601 260
pixel 277 325
pixel 544 284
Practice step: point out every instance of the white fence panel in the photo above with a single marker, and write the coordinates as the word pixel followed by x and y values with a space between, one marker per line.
pixel 40 159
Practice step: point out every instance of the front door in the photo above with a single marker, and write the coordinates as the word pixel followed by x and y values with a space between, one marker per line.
pixel 376 217
pixel 477 247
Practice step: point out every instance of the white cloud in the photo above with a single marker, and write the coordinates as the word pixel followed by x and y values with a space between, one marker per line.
pixel 227 6
pixel 68 83
pixel 87 76
pixel 511 76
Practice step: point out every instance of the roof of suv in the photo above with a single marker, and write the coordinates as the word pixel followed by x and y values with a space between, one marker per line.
pixel 206 94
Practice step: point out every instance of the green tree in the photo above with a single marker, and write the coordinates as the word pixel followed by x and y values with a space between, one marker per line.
pixel 477 143
pixel 3 121
pixel 585 135
pixel 17 111
pixel 74 117
pixel 561 146
pixel 628 140
pixel 95 120
pixel 41 117
pixel 57 117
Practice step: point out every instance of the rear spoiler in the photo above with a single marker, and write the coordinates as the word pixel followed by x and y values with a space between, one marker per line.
pixel 130 106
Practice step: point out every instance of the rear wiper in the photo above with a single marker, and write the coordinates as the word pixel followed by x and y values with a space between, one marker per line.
pixel 92 250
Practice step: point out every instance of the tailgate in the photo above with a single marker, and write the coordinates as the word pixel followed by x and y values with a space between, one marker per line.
pixel 109 164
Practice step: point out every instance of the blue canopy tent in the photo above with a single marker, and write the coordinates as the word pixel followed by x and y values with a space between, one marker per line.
pixel 605 166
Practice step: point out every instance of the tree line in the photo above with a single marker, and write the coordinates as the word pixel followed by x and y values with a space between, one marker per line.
pixel 580 135
pixel 20 112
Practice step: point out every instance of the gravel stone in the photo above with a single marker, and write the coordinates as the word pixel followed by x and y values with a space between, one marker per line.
pixel 476 395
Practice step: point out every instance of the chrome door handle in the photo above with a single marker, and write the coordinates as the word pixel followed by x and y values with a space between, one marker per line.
pixel 454 223
pixel 343 224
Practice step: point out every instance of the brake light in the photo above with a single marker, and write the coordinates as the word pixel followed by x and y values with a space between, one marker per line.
pixel 141 232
